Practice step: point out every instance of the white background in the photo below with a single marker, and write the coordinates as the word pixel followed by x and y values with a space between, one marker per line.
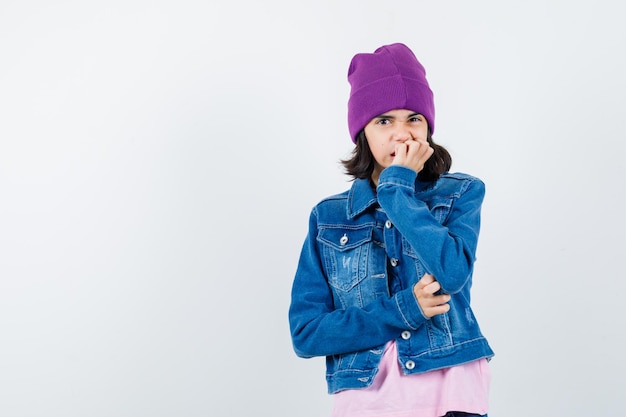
pixel 158 161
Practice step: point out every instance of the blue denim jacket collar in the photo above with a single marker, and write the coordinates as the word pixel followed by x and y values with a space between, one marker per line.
pixel 360 198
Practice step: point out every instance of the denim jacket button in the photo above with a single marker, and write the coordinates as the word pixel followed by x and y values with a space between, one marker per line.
pixel 388 224
pixel 409 364
pixel 344 239
pixel 406 335
pixel 394 262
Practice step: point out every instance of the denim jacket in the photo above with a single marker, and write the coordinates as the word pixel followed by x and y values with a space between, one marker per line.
pixel 365 249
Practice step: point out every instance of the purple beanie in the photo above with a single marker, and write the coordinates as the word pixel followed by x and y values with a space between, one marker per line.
pixel 391 78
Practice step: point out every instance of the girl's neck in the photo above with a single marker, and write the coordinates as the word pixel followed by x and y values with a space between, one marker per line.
pixel 373 183
pixel 374 178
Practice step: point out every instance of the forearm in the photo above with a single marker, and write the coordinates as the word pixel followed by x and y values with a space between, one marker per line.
pixel 447 251
pixel 317 330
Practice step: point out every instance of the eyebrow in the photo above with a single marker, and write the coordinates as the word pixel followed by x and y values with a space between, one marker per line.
pixel 387 116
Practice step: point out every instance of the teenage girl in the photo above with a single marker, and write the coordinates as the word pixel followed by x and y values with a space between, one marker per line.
pixel 382 287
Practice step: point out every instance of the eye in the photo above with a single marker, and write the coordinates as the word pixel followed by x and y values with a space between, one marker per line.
pixel 416 118
pixel 383 121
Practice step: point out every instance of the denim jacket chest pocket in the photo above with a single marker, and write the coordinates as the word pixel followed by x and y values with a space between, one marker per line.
pixel 349 256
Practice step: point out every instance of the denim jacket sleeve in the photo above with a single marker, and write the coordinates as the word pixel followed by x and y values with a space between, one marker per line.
pixel 318 329
pixel 447 250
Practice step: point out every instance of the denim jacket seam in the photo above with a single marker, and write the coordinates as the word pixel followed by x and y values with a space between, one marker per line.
pixel 404 318
pixel 432 350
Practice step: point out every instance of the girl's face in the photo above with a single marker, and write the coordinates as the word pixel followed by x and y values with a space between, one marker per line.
pixel 387 130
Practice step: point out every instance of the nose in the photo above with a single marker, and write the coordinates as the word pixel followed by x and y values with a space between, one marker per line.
pixel 402 133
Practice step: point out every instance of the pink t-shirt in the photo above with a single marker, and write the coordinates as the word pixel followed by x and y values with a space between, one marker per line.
pixel 432 394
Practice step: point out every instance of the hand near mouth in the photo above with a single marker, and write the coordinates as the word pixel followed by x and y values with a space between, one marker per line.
pixel 412 154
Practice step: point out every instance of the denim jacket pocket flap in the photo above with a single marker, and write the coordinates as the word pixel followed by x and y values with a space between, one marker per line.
pixel 343 239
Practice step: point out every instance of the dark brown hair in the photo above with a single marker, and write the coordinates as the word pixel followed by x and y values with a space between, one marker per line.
pixel 361 164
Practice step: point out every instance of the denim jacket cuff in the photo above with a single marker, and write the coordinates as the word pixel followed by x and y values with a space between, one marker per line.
pixel 397 175
pixel 409 308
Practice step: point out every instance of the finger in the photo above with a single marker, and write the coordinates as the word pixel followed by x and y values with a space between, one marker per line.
pixel 427 279
pixel 440 309
pixel 429 152
pixel 417 141
pixel 423 141
pixel 432 288
pixel 423 149
pixel 441 299
pixel 399 154
pixel 401 149
pixel 419 151
pixel 432 302
pixel 430 311
pixel 422 157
